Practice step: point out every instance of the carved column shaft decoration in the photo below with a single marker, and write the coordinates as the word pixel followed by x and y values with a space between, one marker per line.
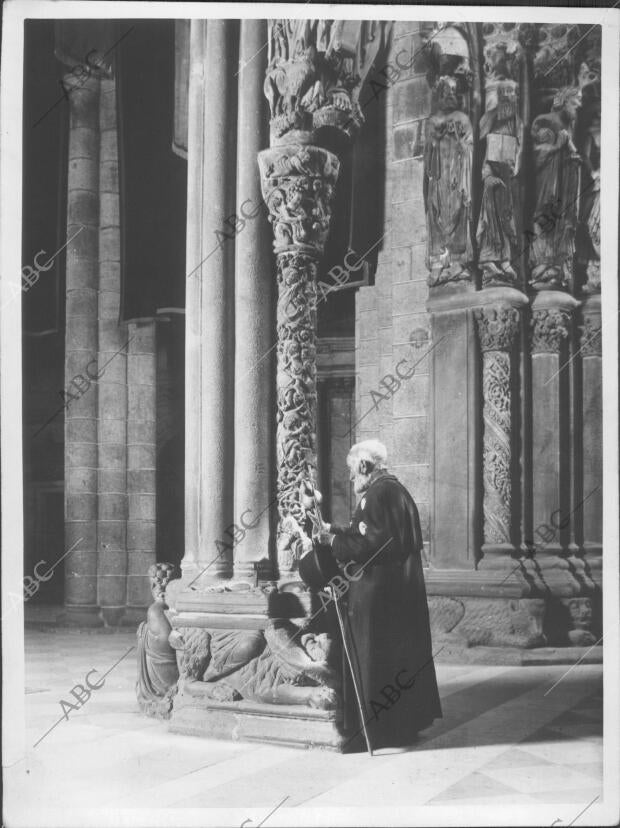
pixel 497 329
pixel 298 187
pixel 550 327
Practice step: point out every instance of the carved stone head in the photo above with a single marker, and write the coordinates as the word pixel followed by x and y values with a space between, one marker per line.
pixel 568 100
pixel 447 94
pixel 160 574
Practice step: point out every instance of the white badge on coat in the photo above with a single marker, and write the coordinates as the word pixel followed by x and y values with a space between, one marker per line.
pixel 363 528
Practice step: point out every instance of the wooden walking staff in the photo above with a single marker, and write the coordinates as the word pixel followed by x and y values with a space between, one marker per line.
pixel 312 565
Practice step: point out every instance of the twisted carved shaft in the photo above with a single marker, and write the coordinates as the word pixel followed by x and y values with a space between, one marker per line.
pixel 497 328
pixel 298 186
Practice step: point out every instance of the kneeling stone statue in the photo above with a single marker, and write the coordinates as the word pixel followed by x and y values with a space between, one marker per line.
pixel 157 664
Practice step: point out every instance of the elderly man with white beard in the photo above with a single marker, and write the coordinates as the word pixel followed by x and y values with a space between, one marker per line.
pixel 386 627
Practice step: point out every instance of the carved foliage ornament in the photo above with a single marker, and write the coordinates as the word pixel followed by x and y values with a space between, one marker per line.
pixel 550 327
pixel 497 327
pixel 591 344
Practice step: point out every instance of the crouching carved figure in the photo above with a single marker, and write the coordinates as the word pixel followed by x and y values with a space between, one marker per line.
pixel 279 665
pixel 157 665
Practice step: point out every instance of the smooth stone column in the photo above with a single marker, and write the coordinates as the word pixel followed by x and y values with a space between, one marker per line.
pixel 210 301
pixel 254 318
pixel 592 372
pixel 551 328
pixel 80 349
pixel 454 430
pixel 112 383
pixel 141 463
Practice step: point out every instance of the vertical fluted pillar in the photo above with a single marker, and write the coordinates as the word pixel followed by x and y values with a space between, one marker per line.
pixel 141 461
pixel 254 314
pixel 551 329
pixel 112 382
pixel 298 183
pixel 497 328
pixel 209 344
pixel 81 338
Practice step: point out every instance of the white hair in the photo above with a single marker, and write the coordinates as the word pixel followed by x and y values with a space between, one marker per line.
pixel 373 451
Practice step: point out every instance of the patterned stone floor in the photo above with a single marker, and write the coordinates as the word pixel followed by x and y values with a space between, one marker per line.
pixel 510 737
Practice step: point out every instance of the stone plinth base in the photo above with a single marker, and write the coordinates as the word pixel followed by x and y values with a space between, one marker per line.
pixel 195 714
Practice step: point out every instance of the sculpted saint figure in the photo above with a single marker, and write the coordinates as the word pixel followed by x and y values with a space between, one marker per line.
pixel 557 192
pixel 497 232
pixel 157 662
pixel 447 174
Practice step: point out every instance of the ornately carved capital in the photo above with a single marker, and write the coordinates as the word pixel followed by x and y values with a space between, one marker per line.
pixel 497 327
pixel 591 344
pixel 550 326
pixel 298 183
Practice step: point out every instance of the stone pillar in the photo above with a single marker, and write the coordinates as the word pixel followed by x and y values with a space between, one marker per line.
pixel 592 373
pixel 298 186
pixel 141 463
pixel 551 328
pixel 497 328
pixel 80 349
pixel 254 316
pixel 210 301
pixel 112 383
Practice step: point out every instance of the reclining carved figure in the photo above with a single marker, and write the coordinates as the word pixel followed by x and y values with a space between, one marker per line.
pixel 279 665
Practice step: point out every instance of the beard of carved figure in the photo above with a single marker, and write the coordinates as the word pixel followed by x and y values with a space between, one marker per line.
pixel 447 98
pixel 506 100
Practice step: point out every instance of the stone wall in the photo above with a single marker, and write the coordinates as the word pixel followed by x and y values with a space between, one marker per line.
pixel 391 318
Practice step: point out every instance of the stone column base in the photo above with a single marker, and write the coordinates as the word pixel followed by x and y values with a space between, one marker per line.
pixel 80 617
pixel 195 714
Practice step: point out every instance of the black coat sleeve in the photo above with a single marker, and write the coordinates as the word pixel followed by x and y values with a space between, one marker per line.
pixel 369 535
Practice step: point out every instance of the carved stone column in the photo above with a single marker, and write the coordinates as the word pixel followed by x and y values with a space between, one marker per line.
pixel 298 187
pixel 497 329
pixel 552 313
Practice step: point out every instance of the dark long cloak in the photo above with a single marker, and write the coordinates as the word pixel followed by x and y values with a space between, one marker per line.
pixel 386 618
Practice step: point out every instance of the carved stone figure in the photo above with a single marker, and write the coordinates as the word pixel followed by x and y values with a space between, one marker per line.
pixel 592 203
pixel 557 165
pixel 157 663
pixel 448 169
pixel 497 239
pixel 316 70
pixel 580 621
pixel 493 622
pixel 280 665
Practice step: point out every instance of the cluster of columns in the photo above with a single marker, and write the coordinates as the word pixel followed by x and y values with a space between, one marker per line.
pixel 229 471
pixel 531 474
pixel 110 402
